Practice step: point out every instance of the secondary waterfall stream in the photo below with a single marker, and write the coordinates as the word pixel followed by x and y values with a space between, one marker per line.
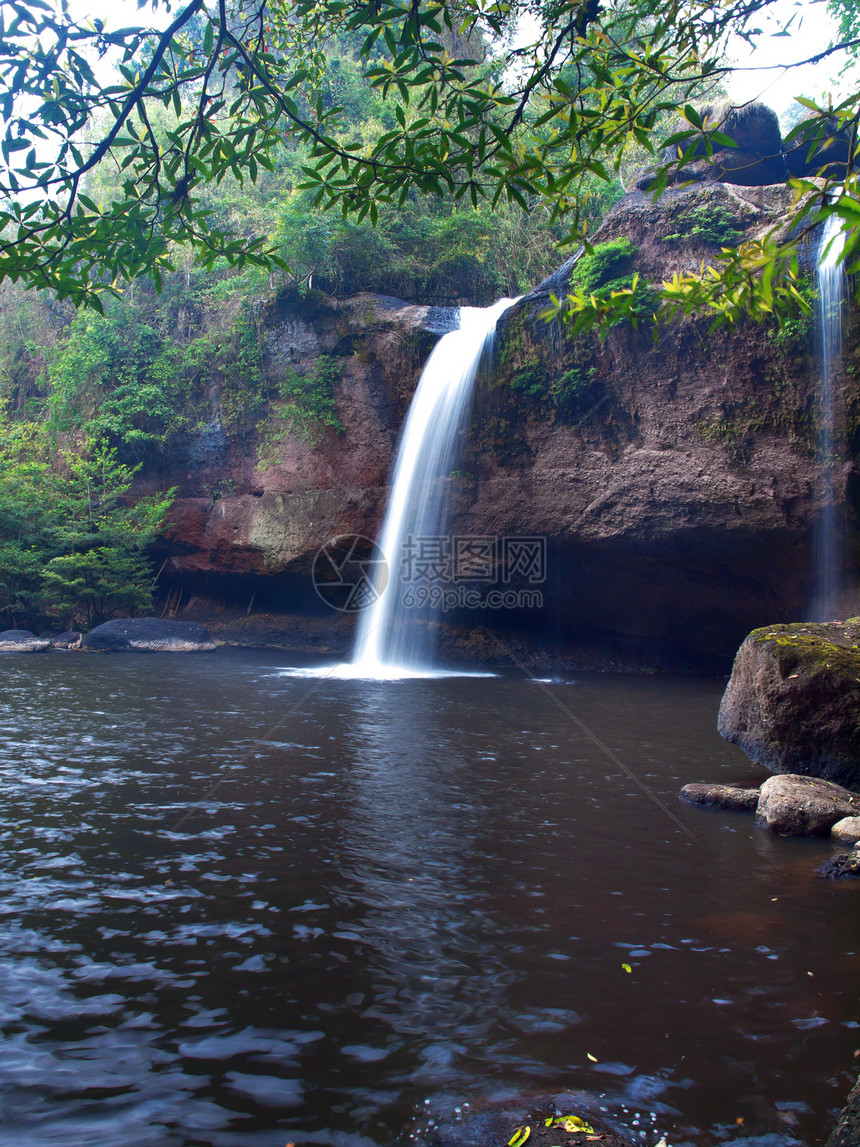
pixel 829 556
pixel 394 638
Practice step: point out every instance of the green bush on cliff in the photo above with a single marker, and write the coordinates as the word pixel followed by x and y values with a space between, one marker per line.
pixel 714 224
pixel 567 394
pixel 604 290
pixel 300 407
pixel 794 336
pixel 575 386
pixel 531 378
pixel 606 267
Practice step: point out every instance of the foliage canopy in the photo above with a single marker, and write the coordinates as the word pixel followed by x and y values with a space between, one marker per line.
pixel 208 93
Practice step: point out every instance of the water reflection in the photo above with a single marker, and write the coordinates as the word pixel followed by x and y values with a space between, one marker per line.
pixel 224 925
pixel 436 976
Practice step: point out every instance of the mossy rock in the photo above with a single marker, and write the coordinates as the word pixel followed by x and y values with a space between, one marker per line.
pixel 793 700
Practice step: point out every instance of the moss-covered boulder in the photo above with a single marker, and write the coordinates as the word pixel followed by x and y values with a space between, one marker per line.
pixel 793 700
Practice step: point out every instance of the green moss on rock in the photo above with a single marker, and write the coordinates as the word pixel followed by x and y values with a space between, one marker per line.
pixel 793 701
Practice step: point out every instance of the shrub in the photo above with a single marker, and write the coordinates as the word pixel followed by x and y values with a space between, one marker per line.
pixel 607 267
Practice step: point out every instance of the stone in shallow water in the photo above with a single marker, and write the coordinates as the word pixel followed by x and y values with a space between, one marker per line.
pixel 846 864
pixel 147 635
pixel 796 805
pixel 21 641
pixel 847 1133
pixel 847 830
pixel 70 639
pixel 793 699
pixel 720 796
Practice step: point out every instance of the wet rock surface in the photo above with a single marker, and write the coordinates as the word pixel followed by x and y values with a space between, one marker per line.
pixel 147 635
pixel 847 830
pixel 21 641
pixel 720 796
pixel 793 701
pixel 795 805
pixel 69 639
pixel 569 1126
pixel 846 865
pixel 847 1132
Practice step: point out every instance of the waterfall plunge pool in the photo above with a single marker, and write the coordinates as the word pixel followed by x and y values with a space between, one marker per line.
pixel 243 909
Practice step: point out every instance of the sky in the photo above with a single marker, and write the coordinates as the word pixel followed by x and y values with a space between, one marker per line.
pixel 762 74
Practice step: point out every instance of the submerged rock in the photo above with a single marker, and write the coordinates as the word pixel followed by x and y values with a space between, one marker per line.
pixel 70 639
pixel 845 865
pixel 720 796
pixel 795 805
pixel 21 641
pixel 515 1121
pixel 793 700
pixel 847 1132
pixel 148 635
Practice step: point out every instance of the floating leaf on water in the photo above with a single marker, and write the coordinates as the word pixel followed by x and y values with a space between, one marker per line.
pixel 519 1136
pixel 627 968
pixel 593 1058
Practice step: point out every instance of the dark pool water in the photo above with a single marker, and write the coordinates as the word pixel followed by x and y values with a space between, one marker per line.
pixel 242 908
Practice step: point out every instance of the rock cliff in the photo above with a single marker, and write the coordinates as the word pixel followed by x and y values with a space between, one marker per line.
pixel 675 481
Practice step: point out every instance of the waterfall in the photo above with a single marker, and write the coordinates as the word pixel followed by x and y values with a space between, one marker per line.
pixel 396 635
pixel 829 556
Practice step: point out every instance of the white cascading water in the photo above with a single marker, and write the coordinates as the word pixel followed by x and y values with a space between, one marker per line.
pixel 829 557
pixel 394 639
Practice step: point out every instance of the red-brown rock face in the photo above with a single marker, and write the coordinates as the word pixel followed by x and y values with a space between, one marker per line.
pixel 675 482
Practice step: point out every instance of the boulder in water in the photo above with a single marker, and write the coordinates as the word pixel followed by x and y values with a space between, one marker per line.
pixel 847 830
pixel 847 1131
pixel 69 639
pixel 795 805
pixel 793 700
pixel 21 641
pixel 720 796
pixel 147 635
